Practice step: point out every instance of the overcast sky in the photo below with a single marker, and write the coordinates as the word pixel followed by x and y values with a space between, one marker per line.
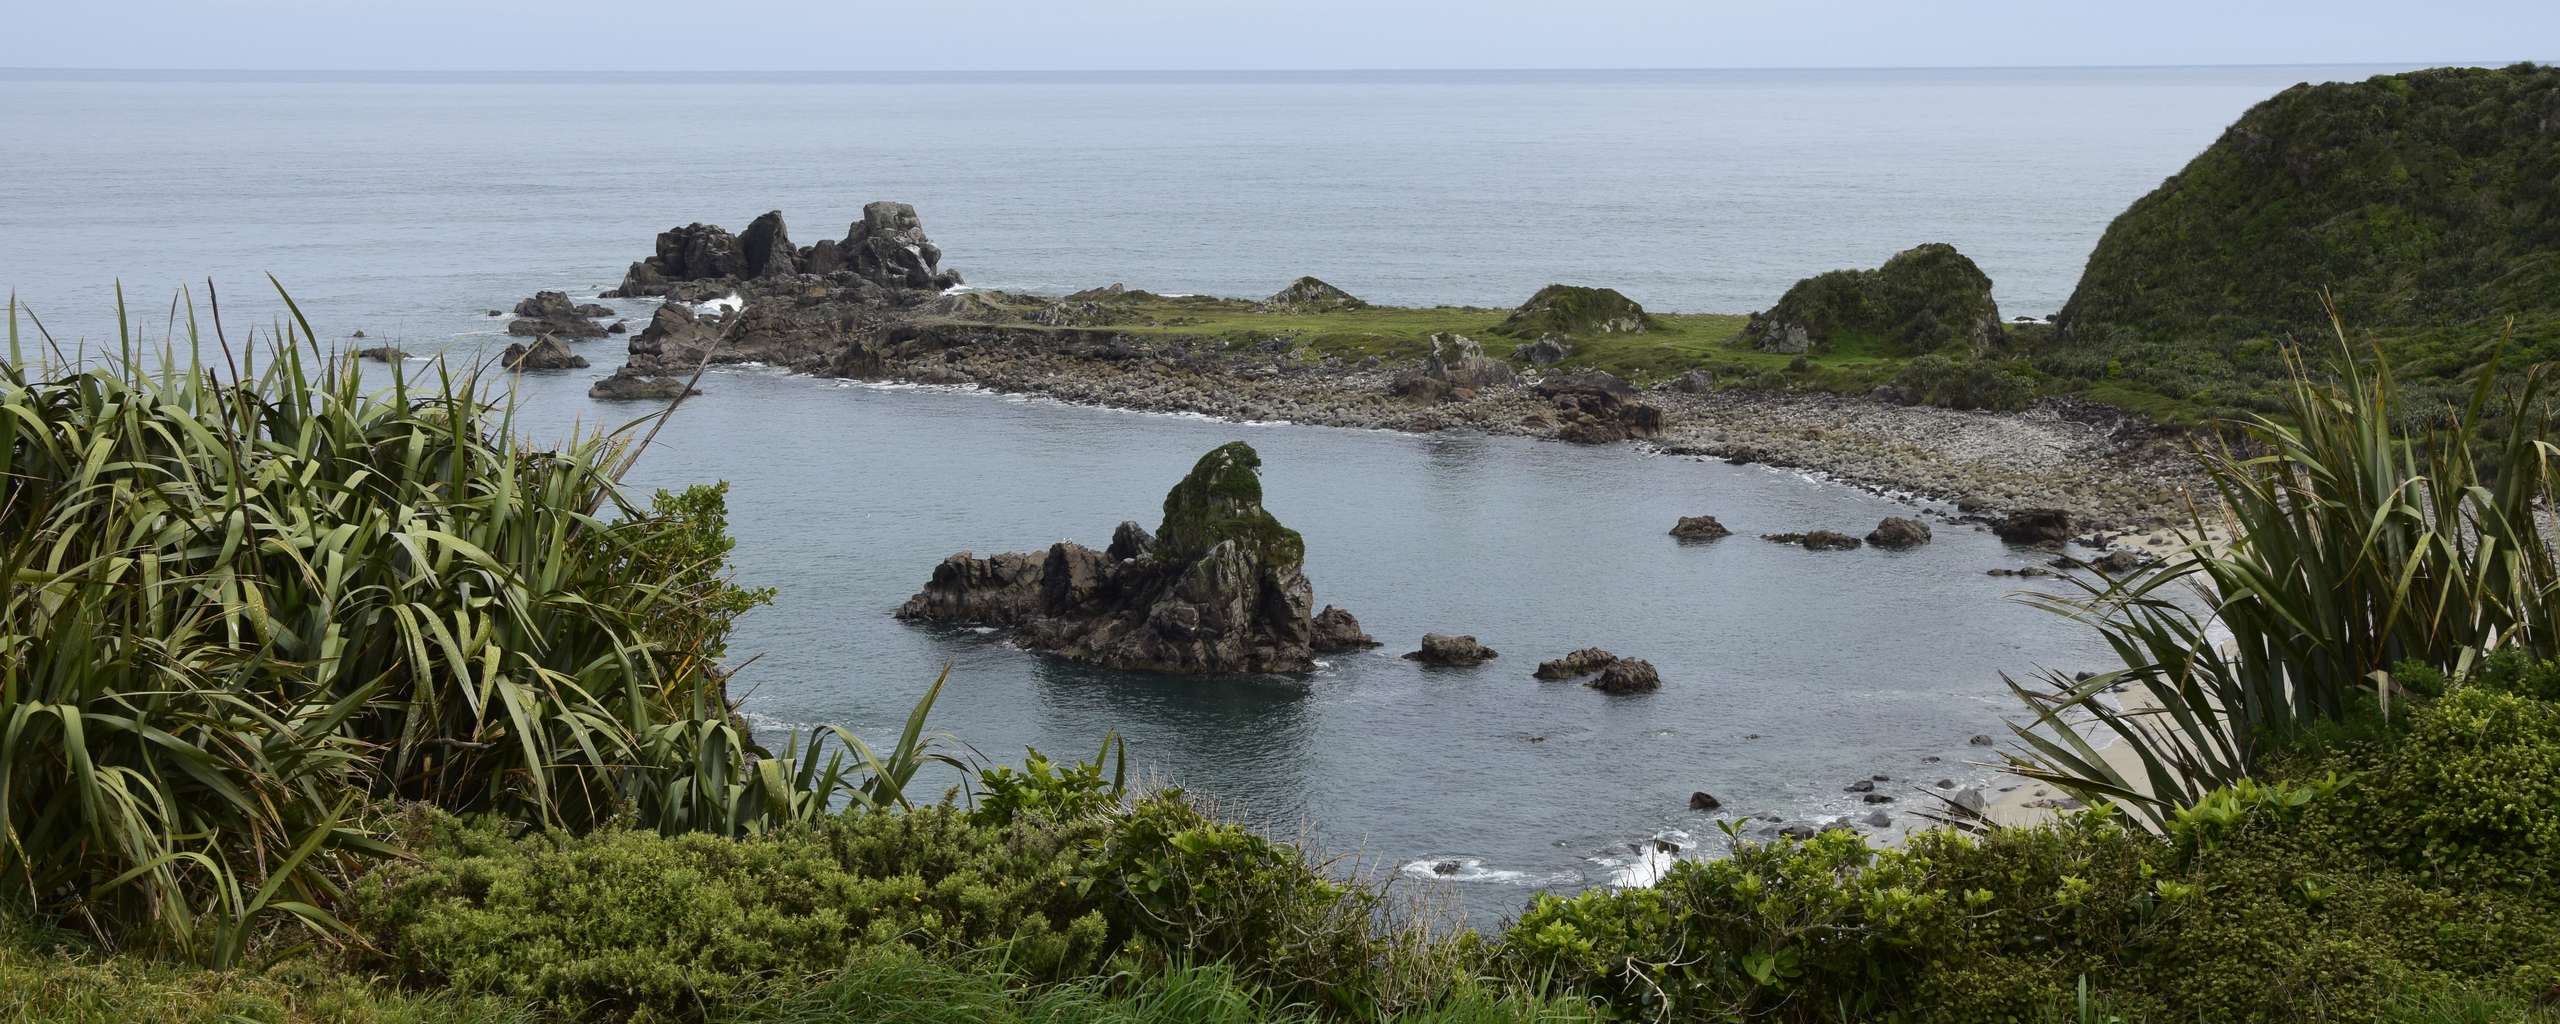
pixel 673 37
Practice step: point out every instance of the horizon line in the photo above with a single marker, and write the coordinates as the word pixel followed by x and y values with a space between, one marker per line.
pixel 771 72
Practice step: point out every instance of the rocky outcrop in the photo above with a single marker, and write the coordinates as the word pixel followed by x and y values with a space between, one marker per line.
pixel 1456 368
pixel 1308 295
pixel 694 252
pixel 765 249
pixel 1336 631
pixel 552 313
pixel 1703 801
pixel 1815 540
pixel 1217 589
pixel 676 340
pixel 1627 675
pixel 888 247
pixel 1899 533
pixel 546 353
pixel 2039 527
pixel 1699 528
pixel 626 384
pixel 1925 299
pixel 1572 310
pixel 382 354
pixel 1596 408
pixel 1452 650
pixel 1546 351
pixel 1579 663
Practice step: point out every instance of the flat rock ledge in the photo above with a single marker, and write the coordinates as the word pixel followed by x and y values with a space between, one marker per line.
pixel 1452 650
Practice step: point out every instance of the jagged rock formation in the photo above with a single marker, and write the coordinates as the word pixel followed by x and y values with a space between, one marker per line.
pixel 1452 651
pixel 1899 533
pixel 546 353
pixel 887 248
pixel 1456 368
pixel 1925 299
pixel 1627 675
pixel 1570 310
pixel 1308 295
pixel 2418 199
pixel 552 313
pixel 1217 589
pixel 1699 528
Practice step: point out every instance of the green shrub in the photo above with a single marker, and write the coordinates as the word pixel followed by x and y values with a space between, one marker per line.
pixel 1965 384
pixel 2473 791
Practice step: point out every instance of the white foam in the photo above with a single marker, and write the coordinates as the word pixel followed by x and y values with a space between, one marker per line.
pixel 729 303
pixel 1470 869
pixel 1646 861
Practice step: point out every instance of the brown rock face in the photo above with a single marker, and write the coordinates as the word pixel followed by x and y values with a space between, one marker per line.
pixel 1217 589
pixel 1627 675
pixel 1336 632
pixel 1899 533
pixel 2042 527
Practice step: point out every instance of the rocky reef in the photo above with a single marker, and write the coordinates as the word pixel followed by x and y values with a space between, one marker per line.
pixel 1218 588
pixel 886 248
pixel 1925 299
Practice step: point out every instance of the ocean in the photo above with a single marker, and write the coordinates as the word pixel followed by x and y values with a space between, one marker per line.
pixel 406 206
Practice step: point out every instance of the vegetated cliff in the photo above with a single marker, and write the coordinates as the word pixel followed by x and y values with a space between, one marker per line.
pixel 2420 199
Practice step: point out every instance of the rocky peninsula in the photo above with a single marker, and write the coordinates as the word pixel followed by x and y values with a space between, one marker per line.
pixel 1588 365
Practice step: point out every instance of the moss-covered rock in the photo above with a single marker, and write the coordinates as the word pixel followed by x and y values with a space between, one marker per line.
pixel 1571 310
pixel 1310 295
pixel 2421 199
pixel 1222 500
pixel 1924 299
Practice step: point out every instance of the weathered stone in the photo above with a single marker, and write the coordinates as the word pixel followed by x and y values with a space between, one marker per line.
pixel 1627 675
pixel 1593 407
pixel 1579 663
pixel 2040 527
pixel 1128 541
pixel 1572 310
pixel 1704 801
pixel 382 354
pixel 1546 351
pixel 1453 650
pixel 1308 295
pixel 552 313
pixel 1335 631
pixel 626 384
pixel 1815 540
pixel 1899 533
pixel 765 250
pixel 1699 528
pixel 546 353
pixel 888 246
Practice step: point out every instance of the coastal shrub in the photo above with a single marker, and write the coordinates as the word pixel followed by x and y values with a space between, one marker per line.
pixel 1965 384
pixel 2354 548
pixel 630 925
pixel 2473 789
pixel 251 594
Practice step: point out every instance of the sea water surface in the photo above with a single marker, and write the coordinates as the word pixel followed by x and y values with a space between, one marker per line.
pixel 407 206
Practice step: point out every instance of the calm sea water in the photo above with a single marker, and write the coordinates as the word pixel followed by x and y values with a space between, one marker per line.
pixel 405 207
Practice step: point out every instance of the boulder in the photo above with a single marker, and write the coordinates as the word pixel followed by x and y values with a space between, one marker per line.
pixel 1699 528
pixel 1928 298
pixel 1815 540
pixel 1703 801
pixel 1592 407
pixel 1546 351
pixel 1308 295
pixel 626 384
pixel 2120 561
pixel 1448 649
pixel 546 353
pixel 382 354
pixel 1899 533
pixel 1694 382
pixel 2040 527
pixel 1336 631
pixel 552 313
pixel 1579 663
pixel 676 340
pixel 1218 589
pixel 1572 310
pixel 1627 675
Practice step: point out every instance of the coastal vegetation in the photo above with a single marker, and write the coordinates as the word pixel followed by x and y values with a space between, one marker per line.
pixel 323 700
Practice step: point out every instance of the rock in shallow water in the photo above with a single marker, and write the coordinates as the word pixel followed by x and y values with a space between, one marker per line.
pixel 1452 650
pixel 1899 533
pixel 1579 663
pixel 1336 631
pixel 1699 528
pixel 1218 589
pixel 1627 675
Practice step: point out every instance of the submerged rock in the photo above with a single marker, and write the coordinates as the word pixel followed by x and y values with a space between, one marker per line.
pixel 1453 650
pixel 1704 801
pixel 382 354
pixel 1217 589
pixel 1899 533
pixel 626 384
pixel 1546 351
pixel 1579 663
pixel 1815 540
pixel 1699 528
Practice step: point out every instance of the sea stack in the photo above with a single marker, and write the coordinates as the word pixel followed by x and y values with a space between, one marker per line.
pixel 1217 589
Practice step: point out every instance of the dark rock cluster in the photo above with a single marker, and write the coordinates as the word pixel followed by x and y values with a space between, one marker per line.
pixel 887 247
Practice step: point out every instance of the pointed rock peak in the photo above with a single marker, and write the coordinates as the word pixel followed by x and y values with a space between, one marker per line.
pixel 766 247
pixel 1221 501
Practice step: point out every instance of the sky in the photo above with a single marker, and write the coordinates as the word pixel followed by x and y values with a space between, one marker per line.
pixel 676 37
